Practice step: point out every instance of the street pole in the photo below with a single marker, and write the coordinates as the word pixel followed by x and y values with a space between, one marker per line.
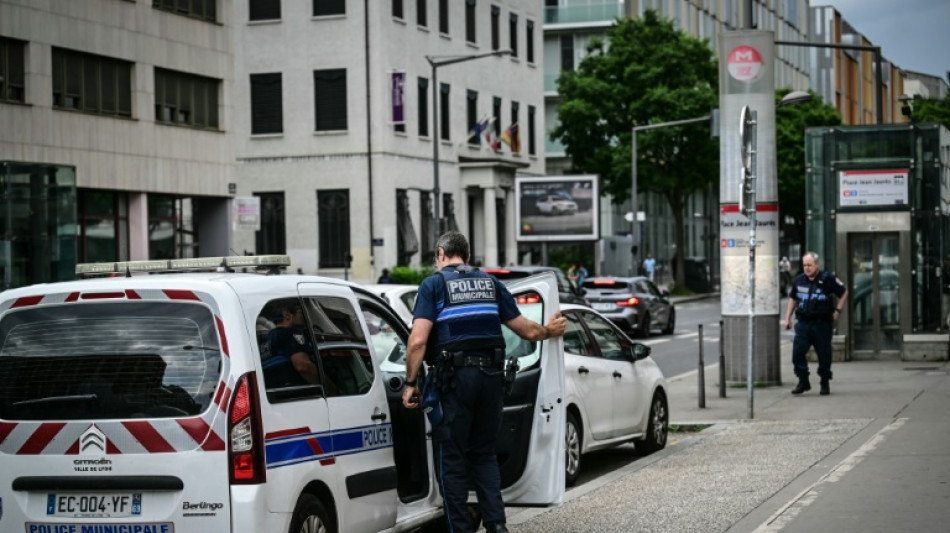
pixel 749 119
pixel 435 62
pixel 635 226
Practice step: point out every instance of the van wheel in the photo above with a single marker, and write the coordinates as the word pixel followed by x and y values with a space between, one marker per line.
pixel 310 516
pixel 572 437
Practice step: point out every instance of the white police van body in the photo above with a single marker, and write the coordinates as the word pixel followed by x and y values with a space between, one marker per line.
pixel 150 404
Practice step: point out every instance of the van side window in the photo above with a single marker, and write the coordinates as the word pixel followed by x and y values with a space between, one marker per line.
pixel 288 358
pixel 389 348
pixel 342 350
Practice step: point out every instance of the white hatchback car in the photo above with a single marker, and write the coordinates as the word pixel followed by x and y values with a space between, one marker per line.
pixel 169 403
pixel 402 298
pixel 616 393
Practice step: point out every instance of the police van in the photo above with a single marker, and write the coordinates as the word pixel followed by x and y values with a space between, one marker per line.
pixel 145 403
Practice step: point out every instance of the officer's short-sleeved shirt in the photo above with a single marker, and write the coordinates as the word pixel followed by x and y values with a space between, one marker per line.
pixel 815 296
pixel 429 300
pixel 282 343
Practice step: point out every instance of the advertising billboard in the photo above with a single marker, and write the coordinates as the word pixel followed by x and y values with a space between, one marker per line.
pixel 557 208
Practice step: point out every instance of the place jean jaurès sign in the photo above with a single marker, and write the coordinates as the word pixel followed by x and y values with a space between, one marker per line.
pixel 865 188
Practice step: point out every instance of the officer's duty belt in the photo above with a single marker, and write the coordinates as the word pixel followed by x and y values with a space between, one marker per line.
pixel 462 358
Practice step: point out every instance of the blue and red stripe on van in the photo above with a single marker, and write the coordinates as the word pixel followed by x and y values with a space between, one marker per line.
pixel 300 445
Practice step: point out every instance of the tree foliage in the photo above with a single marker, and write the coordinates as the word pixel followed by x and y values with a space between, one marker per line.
pixel 645 72
pixel 931 109
pixel 790 124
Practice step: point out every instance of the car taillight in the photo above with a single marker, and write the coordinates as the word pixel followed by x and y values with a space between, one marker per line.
pixel 604 282
pixel 529 298
pixel 246 450
pixel 629 302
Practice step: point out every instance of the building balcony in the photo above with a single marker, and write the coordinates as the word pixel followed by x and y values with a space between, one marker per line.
pixel 577 14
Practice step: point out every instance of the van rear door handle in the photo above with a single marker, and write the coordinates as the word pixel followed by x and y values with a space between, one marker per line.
pixel 379 416
pixel 617 374
pixel 583 370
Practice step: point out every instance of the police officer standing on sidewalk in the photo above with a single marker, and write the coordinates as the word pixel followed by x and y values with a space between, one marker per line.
pixel 464 308
pixel 813 293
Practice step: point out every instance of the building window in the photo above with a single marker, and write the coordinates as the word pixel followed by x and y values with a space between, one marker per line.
pixel 323 8
pixel 12 77
pixel 103 226
pixel 186 99
pixel 333 223
pixel 161 227
pixel 267 108
pixel 422 16
pixel 567 53
pixel 495 31
pixel 444 112
pixel 329 87
pixel 264 10
pixel 513 34
pixel 444 16
pixel 272 237
pixel 199 9
pixel 529 42
pixel 532 150
pixel 422 101
pixel 496 114
pixel 471 114
pixel 470 21
pixel 91 83
pixel 397 10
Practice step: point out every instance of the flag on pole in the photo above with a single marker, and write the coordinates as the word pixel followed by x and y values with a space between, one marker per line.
pixel 475 134
pixel 512 138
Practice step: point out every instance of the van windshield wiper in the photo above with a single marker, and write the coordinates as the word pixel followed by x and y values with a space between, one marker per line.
pixel 64 398
pixel 208 348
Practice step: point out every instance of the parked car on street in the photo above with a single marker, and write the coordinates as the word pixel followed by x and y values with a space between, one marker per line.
pixel 616 393
pixel 553 204
pixel 635 304
pixel 402 298
pixel 567 291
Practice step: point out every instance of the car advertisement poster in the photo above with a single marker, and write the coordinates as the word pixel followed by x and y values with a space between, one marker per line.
pixel 561 208
pixel 863 188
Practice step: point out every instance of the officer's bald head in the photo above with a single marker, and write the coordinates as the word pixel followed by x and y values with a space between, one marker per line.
pixel 453 244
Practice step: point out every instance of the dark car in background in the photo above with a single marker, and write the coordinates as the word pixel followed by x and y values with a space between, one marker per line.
pixel 568 293
pixel 635 304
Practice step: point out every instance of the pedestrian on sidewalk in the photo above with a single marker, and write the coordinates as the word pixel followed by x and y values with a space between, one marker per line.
pixel 649 265
pixel 812 297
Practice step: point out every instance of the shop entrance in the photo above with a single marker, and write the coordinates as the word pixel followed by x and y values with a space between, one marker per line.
pixel 874 295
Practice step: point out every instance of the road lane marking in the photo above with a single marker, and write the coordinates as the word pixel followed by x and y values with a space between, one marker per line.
pixel 784 516
pixel 653 342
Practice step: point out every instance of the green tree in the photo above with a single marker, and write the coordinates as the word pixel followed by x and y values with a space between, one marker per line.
pixel 931 109
pixel 644 72
pixel 790 124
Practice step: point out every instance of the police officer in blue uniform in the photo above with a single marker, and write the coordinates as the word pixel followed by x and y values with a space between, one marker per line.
pixel 289 360
pixel 813 294
pixel 465 308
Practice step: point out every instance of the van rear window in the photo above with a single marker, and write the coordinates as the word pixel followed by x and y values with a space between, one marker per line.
pixel 126 360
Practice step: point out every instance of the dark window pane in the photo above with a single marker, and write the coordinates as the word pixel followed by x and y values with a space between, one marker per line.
pixel 272 237
pixel 200 9
pixel 531 131
pixel 422 17
pixel 444 16
pixel 513 34
pixel 328 7
pixel 264 10
pixel 470 21
pixel 397 9
pixel 12 77
pixel 333 220
pixel 330 98
pixel 529 42
pixel 423 106
pixel 444 112
pixel 266 103
pixel 495 31
pixel 471 113
pixel 186 99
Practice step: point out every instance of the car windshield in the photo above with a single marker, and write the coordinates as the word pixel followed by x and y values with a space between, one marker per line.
pixel 95 361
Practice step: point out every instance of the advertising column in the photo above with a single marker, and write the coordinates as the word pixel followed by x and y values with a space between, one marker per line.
pixel 746 78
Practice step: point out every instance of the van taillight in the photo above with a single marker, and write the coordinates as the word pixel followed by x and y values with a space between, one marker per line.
pixel 246 447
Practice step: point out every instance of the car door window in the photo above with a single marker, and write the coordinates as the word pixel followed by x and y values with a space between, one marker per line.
pixel 651 288
pixel 288 356
pixel 387 344
pixel 409 299
pixel 607 338
pixel 575 338
pixel 342 350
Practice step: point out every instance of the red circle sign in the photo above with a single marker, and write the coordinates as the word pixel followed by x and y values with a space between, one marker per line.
pixel 745 63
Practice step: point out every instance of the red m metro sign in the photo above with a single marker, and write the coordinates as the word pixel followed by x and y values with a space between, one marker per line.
pixel 745 63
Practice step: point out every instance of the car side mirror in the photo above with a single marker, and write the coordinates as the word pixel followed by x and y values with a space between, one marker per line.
pixel 641 351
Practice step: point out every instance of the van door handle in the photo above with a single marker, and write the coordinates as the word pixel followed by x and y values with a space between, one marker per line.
pixel 583 370
pixel 379 416
pixel 617 374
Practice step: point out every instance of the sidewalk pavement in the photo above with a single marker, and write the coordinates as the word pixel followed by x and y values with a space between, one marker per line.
pixel 874 456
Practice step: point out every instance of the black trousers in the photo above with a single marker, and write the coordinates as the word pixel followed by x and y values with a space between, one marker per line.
pixel 815 333
pixel 464 446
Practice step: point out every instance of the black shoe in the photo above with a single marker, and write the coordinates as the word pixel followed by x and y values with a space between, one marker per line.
pixel 496 528
pixel 803 385
pixel 825 389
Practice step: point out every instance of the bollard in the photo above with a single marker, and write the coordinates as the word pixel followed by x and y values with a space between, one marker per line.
pixel 722 365
pixel 702 372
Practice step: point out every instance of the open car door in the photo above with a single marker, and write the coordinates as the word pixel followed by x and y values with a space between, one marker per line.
pixel 531 439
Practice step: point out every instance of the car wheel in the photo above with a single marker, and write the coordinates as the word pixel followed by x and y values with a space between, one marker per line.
pixel 671 323
pixel 658 427
pixel 573 439
pixel 310 516
pixel 646 325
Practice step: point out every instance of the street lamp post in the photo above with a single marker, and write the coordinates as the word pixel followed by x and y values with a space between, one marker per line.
pixel 435 62
pixel 635 227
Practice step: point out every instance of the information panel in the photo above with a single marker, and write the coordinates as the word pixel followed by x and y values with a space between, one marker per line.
pixel 861 188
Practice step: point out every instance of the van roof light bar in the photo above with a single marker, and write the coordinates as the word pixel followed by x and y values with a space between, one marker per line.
pixel 227 263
